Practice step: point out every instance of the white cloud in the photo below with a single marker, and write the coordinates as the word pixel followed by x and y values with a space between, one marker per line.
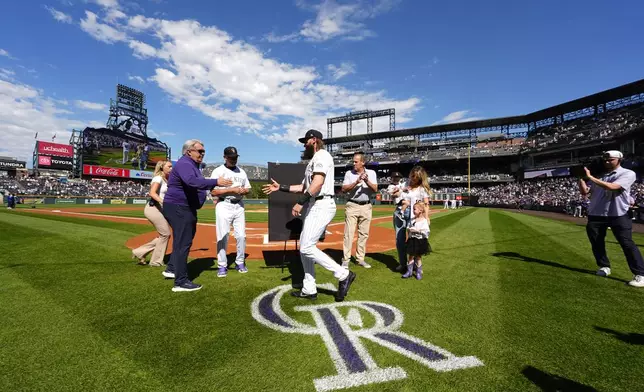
pixel 335 20
pixel 24 111
pixel 107 3
pixel 101 31
pixel 234 82
pixel 274 38
pixel 90 105
pixel 6 54
pixel 136 78
pixel 58 15
pixel 6 74
pixel 114 15
pixel 338 72
pixel 457 117
pixel 142 50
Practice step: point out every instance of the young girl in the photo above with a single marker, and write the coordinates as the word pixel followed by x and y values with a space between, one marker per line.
pixel 418 241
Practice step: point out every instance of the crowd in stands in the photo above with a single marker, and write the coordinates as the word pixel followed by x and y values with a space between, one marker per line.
pixel 586 130
pixel 54 186
pixel 552 194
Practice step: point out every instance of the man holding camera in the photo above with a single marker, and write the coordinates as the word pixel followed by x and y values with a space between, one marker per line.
pixel 609 204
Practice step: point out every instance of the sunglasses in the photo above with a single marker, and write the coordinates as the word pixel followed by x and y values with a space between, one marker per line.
pixel 201 152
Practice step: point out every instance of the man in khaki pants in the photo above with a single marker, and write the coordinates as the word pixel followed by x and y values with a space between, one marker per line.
pixel 359 185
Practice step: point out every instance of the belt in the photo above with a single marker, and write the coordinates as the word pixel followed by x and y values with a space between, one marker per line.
pixel 324 197
pixel 360 203
pixel 230 201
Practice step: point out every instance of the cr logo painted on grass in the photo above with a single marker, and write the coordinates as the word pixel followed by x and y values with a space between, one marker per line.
pixel 341 335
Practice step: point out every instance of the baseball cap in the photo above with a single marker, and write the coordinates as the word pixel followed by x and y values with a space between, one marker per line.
pixel 612 154
pixel 230 152
pixel 311 133
pixel 396 174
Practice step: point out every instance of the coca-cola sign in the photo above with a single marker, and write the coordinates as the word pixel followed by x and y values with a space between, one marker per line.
pixel 56 149
pixel 102 171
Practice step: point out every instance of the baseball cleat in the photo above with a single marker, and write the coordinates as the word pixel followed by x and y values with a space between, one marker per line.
pixel 343 287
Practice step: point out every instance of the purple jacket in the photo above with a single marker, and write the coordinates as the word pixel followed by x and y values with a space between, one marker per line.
pixel 186 185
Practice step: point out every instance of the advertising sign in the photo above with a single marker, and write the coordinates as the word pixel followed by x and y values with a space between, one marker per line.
pixel 147 175
pixel 10 165
pixel 102 171
pixel 139 201
pixel 65 201
pixel 55 149
pixel 93 201
pixel 117 201
pixel 58 163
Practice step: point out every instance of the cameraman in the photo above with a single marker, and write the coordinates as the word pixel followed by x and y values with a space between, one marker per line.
pixel 609 204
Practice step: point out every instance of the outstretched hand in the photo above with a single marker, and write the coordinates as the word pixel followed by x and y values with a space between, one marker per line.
pixel 270 188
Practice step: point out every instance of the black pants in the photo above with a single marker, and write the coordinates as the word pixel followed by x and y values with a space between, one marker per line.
pixel 622 228
pixel 183 221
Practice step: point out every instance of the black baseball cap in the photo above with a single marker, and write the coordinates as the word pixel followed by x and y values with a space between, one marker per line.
pixel 230 152
pixel 396 174
pixel 311 133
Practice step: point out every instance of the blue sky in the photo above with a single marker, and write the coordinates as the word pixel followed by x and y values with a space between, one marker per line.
pixel 257 74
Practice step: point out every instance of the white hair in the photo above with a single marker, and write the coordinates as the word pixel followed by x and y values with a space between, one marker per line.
pixel 189 144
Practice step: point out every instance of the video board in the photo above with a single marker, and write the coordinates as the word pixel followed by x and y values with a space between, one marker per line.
pixel 107 148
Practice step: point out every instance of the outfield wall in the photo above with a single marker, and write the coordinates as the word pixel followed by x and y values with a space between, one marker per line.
pixel 31 200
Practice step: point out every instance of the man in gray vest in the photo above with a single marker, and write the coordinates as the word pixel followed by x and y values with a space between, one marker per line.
pixel 609 203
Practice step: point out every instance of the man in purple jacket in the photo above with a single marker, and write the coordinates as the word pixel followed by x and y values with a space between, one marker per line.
pixel 187 190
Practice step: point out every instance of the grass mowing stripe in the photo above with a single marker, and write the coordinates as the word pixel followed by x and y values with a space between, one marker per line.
pixel 127 227
pixel 551 301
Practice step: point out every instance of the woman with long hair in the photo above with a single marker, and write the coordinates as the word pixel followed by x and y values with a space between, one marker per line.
pixel 417 190
pixel 153 211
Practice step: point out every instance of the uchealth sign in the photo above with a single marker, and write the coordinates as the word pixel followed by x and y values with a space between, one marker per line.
pixel 102 171
pixel 56 149
pixel 59 163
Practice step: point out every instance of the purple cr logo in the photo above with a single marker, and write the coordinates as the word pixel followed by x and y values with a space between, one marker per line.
pixel 342 334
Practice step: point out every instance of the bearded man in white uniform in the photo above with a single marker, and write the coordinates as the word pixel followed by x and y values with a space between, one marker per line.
pixel 317 194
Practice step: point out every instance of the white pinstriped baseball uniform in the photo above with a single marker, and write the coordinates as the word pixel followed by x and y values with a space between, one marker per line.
pixel 230 209
pixel 316 218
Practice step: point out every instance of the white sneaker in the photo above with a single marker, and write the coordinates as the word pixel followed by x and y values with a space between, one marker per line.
pixel 345 265
pixel 364 264
pixel 638 281
pixel 168 275
pixel 603 271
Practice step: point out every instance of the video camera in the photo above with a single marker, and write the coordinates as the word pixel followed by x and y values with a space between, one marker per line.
pixel 595 165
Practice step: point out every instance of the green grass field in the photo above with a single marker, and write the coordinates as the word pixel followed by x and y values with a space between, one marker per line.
pixel 516 291
pixel 113 157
